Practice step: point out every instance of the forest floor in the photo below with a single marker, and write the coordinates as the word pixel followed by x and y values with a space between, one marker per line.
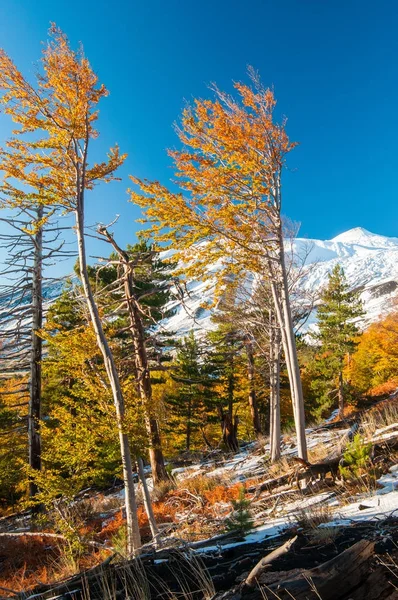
pixel 328 517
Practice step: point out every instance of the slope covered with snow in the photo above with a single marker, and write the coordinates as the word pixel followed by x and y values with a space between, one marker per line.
pixel 370 262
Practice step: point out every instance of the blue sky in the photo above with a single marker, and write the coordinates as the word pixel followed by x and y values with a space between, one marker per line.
pixel 333 65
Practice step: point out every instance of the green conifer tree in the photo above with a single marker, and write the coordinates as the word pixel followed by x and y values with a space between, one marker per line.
pixel 195 401
pixel 338 315
pixel 240 519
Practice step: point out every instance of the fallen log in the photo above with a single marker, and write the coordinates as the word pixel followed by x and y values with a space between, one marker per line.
pixel 333 579
pixel 252 579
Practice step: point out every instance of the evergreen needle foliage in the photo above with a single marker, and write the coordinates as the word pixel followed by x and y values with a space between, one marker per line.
pixel 356 458
pixel 337 318
pixel 240 519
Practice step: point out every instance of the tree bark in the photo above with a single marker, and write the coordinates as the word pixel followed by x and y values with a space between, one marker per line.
pixel 133 532
pixel 280 295
pixel 36 355
pixel 252 389
pixel 148 504
pixel 275 409
pixel 189 416
pixel 229 427
pixel 141 364
pixel 252 579
pixel 340 392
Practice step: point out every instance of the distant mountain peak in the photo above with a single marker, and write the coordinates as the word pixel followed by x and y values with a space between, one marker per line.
pixel 355 235
pixel 362 237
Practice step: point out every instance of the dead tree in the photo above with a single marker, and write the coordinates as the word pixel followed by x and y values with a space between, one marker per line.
pixel 274 376
pixel 32 243
pixel 143 375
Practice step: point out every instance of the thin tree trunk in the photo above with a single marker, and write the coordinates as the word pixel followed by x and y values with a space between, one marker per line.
pixel 148 504
pixel 133 532
pixel 36 355
pixel 142 365
pixel 295 368
pixel 189 416
pixel 280 295
pixel 341 394
pixel 252 390
pixel 275 409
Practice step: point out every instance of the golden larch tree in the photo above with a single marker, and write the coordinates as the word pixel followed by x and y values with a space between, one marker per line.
pixel 229 210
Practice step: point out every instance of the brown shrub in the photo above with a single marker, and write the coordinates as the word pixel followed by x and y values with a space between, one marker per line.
pixel 222 493
pixel 27 561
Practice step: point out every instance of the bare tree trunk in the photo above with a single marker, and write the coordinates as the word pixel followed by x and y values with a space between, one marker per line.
pixel 148 504
pixel 133 532
pixel 252 390
pixel 280 295
pixel 340 392
pixel 275 408
pixel 295 368
pixel 229 427
pixel 141 363
pixel 36 355
pixel 188 436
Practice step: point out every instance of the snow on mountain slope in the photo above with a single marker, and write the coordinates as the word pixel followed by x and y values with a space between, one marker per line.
pixel 370 262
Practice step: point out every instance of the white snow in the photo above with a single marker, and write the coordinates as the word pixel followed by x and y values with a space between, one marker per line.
pixel 370 261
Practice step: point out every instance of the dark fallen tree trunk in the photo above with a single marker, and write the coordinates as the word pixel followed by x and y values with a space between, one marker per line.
pixel 333 580
pixel 254 575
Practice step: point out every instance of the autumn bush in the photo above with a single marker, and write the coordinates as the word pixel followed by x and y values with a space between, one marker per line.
pixel 201 483
pixel 222 493
pixel 27 561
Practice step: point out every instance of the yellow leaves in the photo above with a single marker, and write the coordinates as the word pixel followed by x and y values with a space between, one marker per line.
pixel 60 110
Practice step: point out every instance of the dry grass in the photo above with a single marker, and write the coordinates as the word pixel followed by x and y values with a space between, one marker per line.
pixel 27 561
pixel 382 415
pixel 201 484
pixel 321 536
pixel 106 504
pixel 311 517
pixel 318 453
pixel 163 489
pixel 280 468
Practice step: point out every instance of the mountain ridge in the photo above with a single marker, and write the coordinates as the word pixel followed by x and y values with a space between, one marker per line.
pixel 370 262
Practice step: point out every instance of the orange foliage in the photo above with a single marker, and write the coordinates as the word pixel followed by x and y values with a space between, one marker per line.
pixel 230 167
pixel 221 493
pixel 374 365
pixel 384 389
pixel 27 561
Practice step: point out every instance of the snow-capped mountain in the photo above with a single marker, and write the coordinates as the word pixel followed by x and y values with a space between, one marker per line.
pixel 370 262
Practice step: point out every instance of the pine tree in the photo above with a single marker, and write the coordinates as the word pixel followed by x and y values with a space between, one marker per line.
pixel 240 520
pixel 337 317
pixel 226 359
pixel 194 400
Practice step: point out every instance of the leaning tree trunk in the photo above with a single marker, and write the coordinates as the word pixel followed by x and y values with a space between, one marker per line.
pixel 36 355
pixel 133 531
pixel 275 407
pixel 141 364
pixel 295 368
pixel 252 390
pixel 148 504
pixel 280 295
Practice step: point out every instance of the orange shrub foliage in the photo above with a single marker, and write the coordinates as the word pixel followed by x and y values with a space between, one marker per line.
pixel 384 389
pixel 221 493
pixel 112 527
pixel 27 561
